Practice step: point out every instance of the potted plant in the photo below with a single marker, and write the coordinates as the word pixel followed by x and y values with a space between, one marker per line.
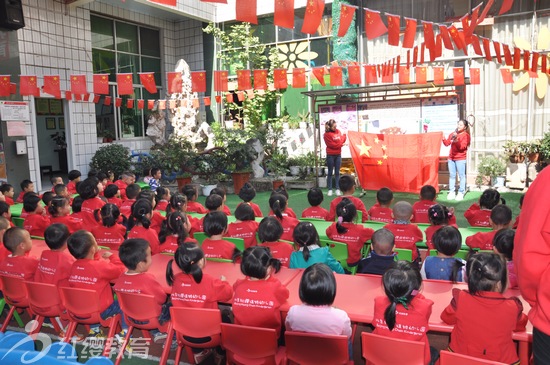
pixel 176 156
pixel 514 151
pixel 112 157
pixel 59 139
pixel 532 150
pixel 295 164
pixel 108 136
pixel 493 168
pixel 240 155
pixel 277 166
pixel 209 164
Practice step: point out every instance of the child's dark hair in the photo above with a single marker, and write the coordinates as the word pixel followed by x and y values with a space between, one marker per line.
pixel 87 189
pixel 80 243
pixel 315 197
pixel 305 235
pixel 384 196
pixel 58 189
pixel 485 271
pixel 401 283
pixel 57 203
pixel 47 197
pixel 213 202
pixel 92 173
pixel 5 188
pixel 176 202
pixel 154 171
pixel 280 190
pixel 148 195
pixel 490 198
pixel 448 241
pixel 74 174
pixel 132 191
pixel 270 230
pixel 504 242
pixel 13 237
pixel 140 209
pixel 4 207
pixel 30 202
pixel 133 251
pixel 219 191
pixel 53 179
pixel 384 240
pixel 25 184
pixel 190 192
pixel 247 192
pixel 174 224
pixel 56 235
pixel 277 203
pixel 215 223
pixel 428 192
pixel 186 257
pixel 110 191
pixel 244 212
pixel 346 212
pixel 439 215
pixel 256 260
pixel 501 215
pixel 101 176
pixel 160 193
pixel 317 285
pixel 346 183
pixel 77 204
pixel 108 214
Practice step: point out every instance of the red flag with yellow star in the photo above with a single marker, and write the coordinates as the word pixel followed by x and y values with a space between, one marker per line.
pixel 506 74
pixel 487 48
pixel 374 26
pixel 429 37
pixel 220 80
pixel 298 78
pixel 313 16
pixel 284 13
pixel 101 84
pixel 393 29
pixel 125 84
pixel 243 80
pixel 474 76
pixel 28 86
pixel 319 73
pixel 354 74
pixel 5 85
pixel 279 78
pixel 148 81
pixel 410 33
pixel 370 74
pixel 446 37
pixel 260 79
pixel 245 11
pixel 198 81
pixel 51 86
pixel 400 162
pixel 404 76
pixel 347 12
pixel 420 72
pixel 78 84
pixel 439 75
pixel 458 76
pixel 175 83
pixel 335 76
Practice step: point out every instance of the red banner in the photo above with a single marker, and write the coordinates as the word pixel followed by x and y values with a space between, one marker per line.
pixel 78 84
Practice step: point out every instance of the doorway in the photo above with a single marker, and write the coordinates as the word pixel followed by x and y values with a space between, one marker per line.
pixel 52 141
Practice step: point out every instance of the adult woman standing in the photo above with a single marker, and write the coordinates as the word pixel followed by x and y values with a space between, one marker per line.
pixel 334 140
pixel 459 141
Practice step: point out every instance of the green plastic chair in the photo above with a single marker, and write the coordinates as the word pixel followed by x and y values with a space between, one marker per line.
pixel 15 314
pixel 217 259
pixel 340 252
pixel 403 254
pixel 18 221
pixel 311 220
pixel 238 242
pixel 200 237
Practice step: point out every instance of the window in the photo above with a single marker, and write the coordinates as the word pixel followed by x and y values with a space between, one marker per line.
pixel 120 47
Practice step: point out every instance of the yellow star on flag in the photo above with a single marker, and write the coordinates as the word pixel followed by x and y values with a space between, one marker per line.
pixel 385 157
pixel 376 140
pixel 365 149
pixel 379 162
pixel 384 147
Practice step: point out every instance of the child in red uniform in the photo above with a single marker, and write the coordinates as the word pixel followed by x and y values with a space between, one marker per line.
pixel 247 193
pixel 5 212
pixel 109 233
pixel 478 214
pixel 89 273
pixel 288 212
pixel 140 222
pixel 259 295
pixel 4 226
pixel 344 230
pixel 126 179
pixel 61 190
pixel 178 203
pixel 174 231
pixel 89 191
pixel 47 198
pixel 347 184
pixel 245 226
pixel 214 203
pixel 483 318
pixel 60 212
pixel 381 211
pixel 55 263
pixel 221 192
pixel 500 218
pixel 112 194
pixel 406 234
pixel 18 264
pixel 439 217
pixel 132 192
pixel 503 244
pixel 156 218
pixel 315 198
pixel 27 186
pixel 36 221
pixel 74 177
pixel 190 192
pixel 278 204
pixel 77 209
pixel 269 233
pixel 215 227
pixel 420 208
pixel 162 197
pixel 403 312
pixel 8 192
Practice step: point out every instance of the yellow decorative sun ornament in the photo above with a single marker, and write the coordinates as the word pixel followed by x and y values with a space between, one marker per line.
pixel 293 55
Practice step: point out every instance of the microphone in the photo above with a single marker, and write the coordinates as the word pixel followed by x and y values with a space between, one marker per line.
pixel 455 135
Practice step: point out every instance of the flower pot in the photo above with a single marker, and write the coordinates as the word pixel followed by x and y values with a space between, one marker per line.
pixel 207 189
pixel 294 170
pixel 277 184
pixel 517 158
pixel 239 179
pixel 182 181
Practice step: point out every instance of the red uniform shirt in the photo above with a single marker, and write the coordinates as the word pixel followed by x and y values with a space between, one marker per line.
pixel 289 212
pixel 148 234
pixel 196 207
pixel 126 207
pixel 256 303
pixel 111 237
pixel 355 238
pixel 3 252
pixel 429 232
pixel 36 224
pixel 71 187
pixel 170 244
pixel 516 223
pixel 478 217
pixel 96 275
pixel 9 200
pixel 78 216
pixel 122 188
pixel 226 210
pixel 20 197
pixel 280 251
pixel 88 208
pixel 481 240
pixel 256 208
pixel 459 146
pixel 483 325
pixel 23 267
pixel 220 249
pixel 317 212
pixel 288 224
pixel 156 221
pixel 410 324
pixel 245 230
pixel 356 201
pixel 420 211
pixel 161 206
pixel 406 236
pixel 334 140
pixel 72 224
pixel 206 294
pixel 380 214
pixel 140 283
pixel 116 201
pixel 197 225
pixel 54 267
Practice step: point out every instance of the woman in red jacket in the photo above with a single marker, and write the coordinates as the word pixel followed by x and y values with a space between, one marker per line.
pixel 334 140
pixel 459 141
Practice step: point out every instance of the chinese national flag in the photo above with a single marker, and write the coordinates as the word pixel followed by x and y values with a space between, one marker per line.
pixel 279 78
pixel 400 162
pixel 506 6
pixel 150 104
pixel 458 76
pixel 218 98
pixel 51 86
pixel 260 79
pixel 526 59
pixel 506 75
pixel 207 101
pixel 5 85
pixel 118 102
pixel 69 97
pixel 28 86
pixel 420 74
pixel 220 80
pixel 415 55
pixel 439 75
pixel 474 76
pixel 517 57
pixel 229 97
pixel 175 83
pixel 410 33
pixel 141 104
pixel 165 2
pixel 319 73
pixel 404 76
pixel 313 16
pixel 487 48
pixel 148 81
pixel 535 61
pixel 101 84
pixel 507 55
pixel 476 45
pixel 240 95
pixel 335 76
pixel 387 78
pixel 347 12
pixel 374 26
pixel 429 38
pixel 243 80
pixel 298 78
pixel 246 11
pixel 446 37
pixel 77 97
pixel 370 74
pixel 130 103
pixel 13 88
pixel 455 35
pixel 107 100
pixel 78 84
pixel 543 64
pixel 393 29
pixel 284 13
pixel 96 98
pixel 125 84
pixel 198 81
pixel 354 74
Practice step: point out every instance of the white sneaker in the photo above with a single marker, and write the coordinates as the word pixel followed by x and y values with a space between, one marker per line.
pixel 459 196
pixel 338 192
pixel 329 193
pixel 201 356
pixel 451 195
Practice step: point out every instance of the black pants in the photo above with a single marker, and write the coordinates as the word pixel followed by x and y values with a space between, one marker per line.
pixel 541 347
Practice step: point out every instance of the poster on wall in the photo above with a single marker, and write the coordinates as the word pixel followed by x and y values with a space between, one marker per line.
pixel 14 110
pixel 345 116
pixel 440 115
pixel 395 117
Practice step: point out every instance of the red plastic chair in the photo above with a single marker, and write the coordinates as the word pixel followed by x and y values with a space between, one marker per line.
pixel 316 349
pixel 452 358
pixel 196 323
pixel 142 308
pixel 83 308
pixel 251 345
pixel 15 294
pixel 382 350
pixel 45 302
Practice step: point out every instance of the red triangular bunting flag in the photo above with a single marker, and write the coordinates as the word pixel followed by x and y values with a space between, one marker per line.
pixel 410 33
pixel 354 74
pixel 78 84
pixel 141 104
pixel 107 100
pixel 313 16
pixel 150 104
pixel 374 26
pixel 125 84
pixel 298 78
pixel 420 77
pixel 279 78
pixel 175 82
pixel 404 76
pixel 51 86
pixel 243 80
pixel 487 48
pixel 101 84
pixel 506 75
pixel 260 79
pixel 439 75
pixel 148 81
pixel 207 101
pixel 506 6
pixel 335 76
pixel 393 29
pixel 474 76
pixel 220 81
pixel 347 12
pixel 458 76
pixel 446 37
pixel 246 11
pixel 284 13
pixel 5 85
pixel 319 73
pixel 429 38
pixel 198 81
pixel 370 74
pixel 130 103
pixel 28 86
